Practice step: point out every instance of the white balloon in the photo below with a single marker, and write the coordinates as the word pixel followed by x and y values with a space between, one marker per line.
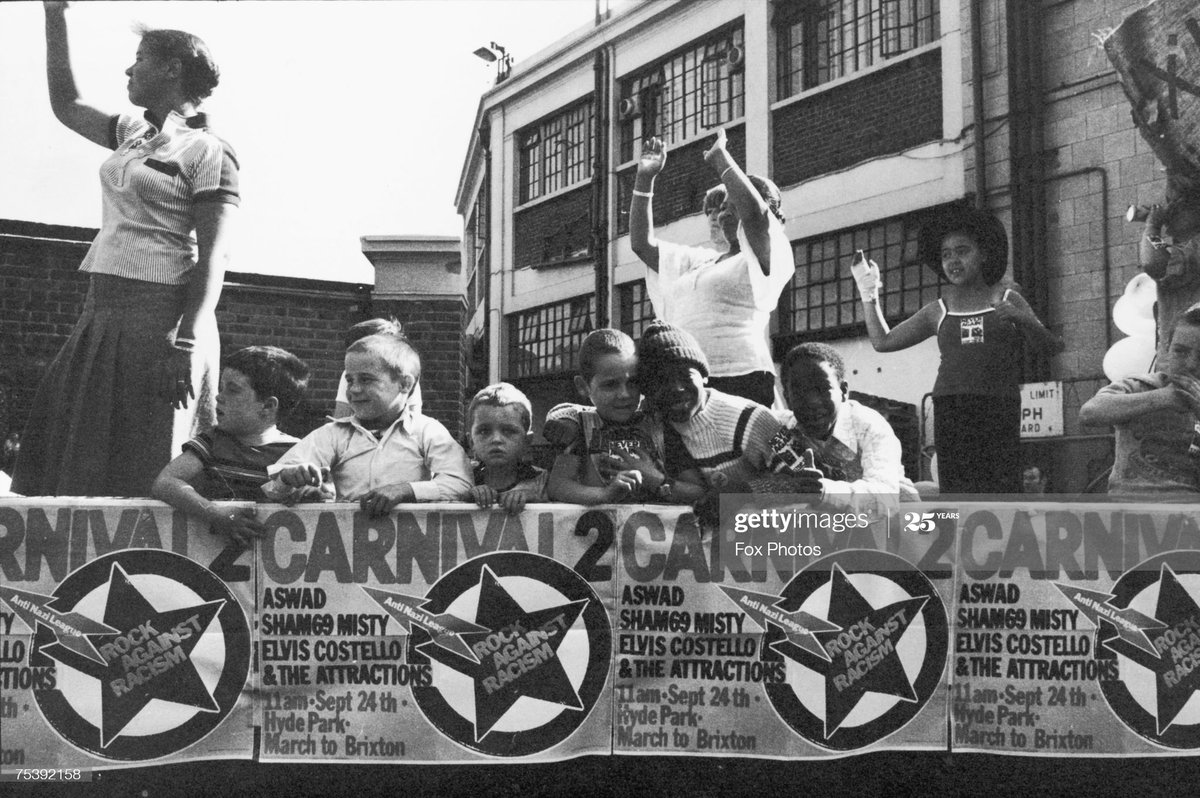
pixel 1142 288
pixel 1129 357
pixel 1133 317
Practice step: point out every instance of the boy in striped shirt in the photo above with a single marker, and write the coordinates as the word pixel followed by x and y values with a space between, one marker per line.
pixel 259 386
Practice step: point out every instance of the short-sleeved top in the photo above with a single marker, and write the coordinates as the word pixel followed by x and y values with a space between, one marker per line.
pixel 234 470
pixel 598 438
pixel 1155 453
pixel 725 304
pixel 149 185
pixel 980 354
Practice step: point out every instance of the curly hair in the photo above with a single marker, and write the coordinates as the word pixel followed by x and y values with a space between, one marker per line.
pixel 980 226
pixel 200 72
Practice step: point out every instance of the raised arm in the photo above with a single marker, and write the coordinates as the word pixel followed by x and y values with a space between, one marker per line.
pixel 910 332
pixel 641 212
pixel 84 119
pixel 752 209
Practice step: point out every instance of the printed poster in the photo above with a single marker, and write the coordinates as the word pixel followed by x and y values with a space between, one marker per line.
pixel 125 637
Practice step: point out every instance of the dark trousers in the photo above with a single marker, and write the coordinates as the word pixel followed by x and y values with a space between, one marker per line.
pixel 978 443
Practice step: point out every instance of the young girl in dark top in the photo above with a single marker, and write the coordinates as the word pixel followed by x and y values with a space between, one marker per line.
pixel 980 324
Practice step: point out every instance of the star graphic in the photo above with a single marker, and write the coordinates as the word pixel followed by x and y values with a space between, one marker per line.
pixel 149 658
pixel 529 640
pixel 1179 642
pixel 852 671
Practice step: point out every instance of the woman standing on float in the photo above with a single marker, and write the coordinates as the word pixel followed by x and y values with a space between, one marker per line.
pixel 723 298
pixel 137 377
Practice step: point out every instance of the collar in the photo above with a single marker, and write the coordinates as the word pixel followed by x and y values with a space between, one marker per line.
pixel 197 121
pixel 842 432
pixel 525 472
pixel 404 420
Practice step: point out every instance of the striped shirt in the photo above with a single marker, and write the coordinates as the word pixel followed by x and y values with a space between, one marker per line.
pixel 729 439
pixel 149 187
pixel 234 470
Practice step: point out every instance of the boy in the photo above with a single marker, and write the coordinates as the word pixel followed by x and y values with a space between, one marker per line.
pixel 384 454
pixel 1156 451
pixel 376 326
pixel 727 437
pixel 853 447
pixel 499 418
pixel 611 451
pixel 260 385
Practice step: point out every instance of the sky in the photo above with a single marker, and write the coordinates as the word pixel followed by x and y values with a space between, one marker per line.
pixel 349 118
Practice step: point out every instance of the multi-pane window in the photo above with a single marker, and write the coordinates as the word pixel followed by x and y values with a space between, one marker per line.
pixel 689 92
pixel 556 152
pixel 823 297
pixel 544 340
pixel 635 310
pixel 822 40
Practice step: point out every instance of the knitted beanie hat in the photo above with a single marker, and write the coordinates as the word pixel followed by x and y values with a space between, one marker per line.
pixel 663 344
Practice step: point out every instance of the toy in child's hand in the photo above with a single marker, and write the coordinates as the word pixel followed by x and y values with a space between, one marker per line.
pixel 788 447
pixel 808 476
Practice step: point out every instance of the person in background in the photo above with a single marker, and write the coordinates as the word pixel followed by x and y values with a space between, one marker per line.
pixel 260 386
pixel 723 296
pixel 1169 251
pixel 384 454
pixel 1155 416
pixel 1033 479
pixel 500 420
pixel 138 375
pixel 980 325
pixel 377 326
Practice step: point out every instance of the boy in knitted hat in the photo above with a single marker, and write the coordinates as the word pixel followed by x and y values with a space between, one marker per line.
pixel 613 452
pixel 728 437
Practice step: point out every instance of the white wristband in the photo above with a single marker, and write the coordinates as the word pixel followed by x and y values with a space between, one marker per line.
pixel 646 194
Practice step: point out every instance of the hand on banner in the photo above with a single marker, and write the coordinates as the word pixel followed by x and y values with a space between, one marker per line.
pixel 623 485
pixel 651 476
pixel 239 524
pixel 380 501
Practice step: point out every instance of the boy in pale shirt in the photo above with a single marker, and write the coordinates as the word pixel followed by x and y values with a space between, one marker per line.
pixel 384 454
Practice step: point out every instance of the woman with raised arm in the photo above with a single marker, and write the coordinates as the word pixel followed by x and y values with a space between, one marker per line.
pixel 979 324
pixel 136 379
pixel 722 296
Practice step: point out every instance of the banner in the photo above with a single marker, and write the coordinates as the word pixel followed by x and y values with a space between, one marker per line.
pixel 444 633
pixel 124 637
pixel 792 634
pixel 439 634
pixel 1077 630
pixel 1156 54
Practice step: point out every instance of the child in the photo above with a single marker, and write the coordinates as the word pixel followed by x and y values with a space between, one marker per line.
pixel 380 326
pixel 979 325
pixel 384 454
pixel 727 437
pixel 260 385
pixel 854 448
pixel 611 451
pixel 1155 416
pixel 500 418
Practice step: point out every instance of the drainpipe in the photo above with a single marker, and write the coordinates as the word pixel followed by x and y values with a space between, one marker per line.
pixel 599 194
pixel 977 105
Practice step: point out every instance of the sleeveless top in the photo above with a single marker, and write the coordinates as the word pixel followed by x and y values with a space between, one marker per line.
pixel 980 354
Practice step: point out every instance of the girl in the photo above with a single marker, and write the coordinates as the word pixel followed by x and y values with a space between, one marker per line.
pixel 979 325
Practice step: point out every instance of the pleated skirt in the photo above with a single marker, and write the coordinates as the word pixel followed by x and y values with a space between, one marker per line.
pixel 99 426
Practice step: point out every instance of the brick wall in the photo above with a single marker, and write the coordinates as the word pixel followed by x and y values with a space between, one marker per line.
pixel 42 293
pixel 878 114
pixel 551 230
pixel 680 187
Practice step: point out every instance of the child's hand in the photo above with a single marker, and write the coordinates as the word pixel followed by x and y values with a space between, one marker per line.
pixel 718 145
pixel 301 474
pixel 808 477
pixel 1156 217
pixel 513 501
pixel 239 524
pixel 866 277
pixel 623 485
pixel 1187 392
pixel 654 157
pixel 381 501
pixel 1014 315
pixel 641 461
pixel 484 495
